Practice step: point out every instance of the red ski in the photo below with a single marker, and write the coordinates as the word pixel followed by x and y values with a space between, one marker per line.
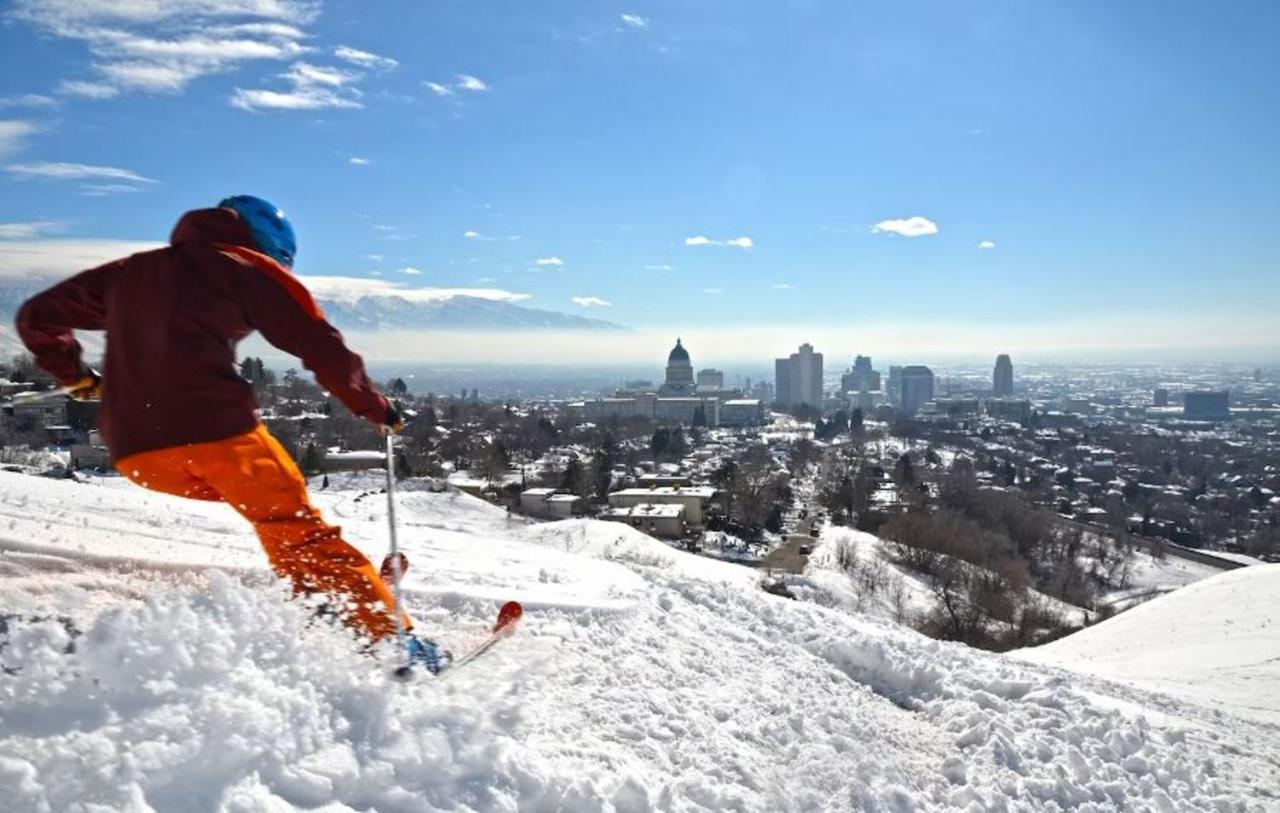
pixel 508 617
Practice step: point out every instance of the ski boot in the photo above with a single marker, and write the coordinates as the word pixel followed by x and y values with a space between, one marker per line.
pixel 423 654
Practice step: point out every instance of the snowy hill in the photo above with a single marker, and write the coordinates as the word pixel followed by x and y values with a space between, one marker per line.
pixel 1216 642
pixel 643 679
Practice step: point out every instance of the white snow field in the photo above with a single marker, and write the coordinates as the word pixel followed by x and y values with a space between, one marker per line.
pixel 642 679
pixel 1215 642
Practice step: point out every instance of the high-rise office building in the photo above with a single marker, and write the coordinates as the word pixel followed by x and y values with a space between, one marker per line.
pixel 1160 397
pixel 861 378
pixel 798 378
pixel 1206 404
pixel 893 388
pixel 710 379
pixel 1002 379
pixel 917 388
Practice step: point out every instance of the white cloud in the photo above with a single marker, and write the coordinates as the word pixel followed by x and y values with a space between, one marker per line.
pixel 88 90
pixel 48 259
pixel 552 261
pixel 28 100
pixel 26 231
pixel 62 171
pixel 13 134
pixel 590 302
pixel 438 89
pixel 471 235
pixel 663 267
pixel 377 258
pixel 314 88
pixel 782 286
pixel 986 244
pixel 102 190
pixel 411 271
pixel 153 46
pixel 467 82
pixel 908 227
pixel 713 291
pixel 364 59
pixel 352 289
pixel 634 21
pixel 737 242
pixel 358 161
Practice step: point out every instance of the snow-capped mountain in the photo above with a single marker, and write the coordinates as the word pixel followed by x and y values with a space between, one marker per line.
pixel 454 312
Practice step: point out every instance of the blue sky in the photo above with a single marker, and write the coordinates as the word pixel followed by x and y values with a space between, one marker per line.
pixel 1119 158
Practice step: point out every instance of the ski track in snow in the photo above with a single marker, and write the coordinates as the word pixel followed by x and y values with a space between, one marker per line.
pixel 641 679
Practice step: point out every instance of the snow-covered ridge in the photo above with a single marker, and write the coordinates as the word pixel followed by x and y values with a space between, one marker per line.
pixel 643 679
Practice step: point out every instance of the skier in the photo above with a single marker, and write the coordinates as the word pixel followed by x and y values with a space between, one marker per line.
pixel 180 420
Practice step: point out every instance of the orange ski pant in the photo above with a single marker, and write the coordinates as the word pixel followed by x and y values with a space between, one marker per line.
pixel 255 475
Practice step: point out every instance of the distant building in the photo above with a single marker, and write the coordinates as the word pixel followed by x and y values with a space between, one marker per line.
pixel 894 388
pixel 710 379
pixel 861 378
pixel 1002 378
pixel 916 388
pixel 1009 409
pixel 694 499
pixel 1206 404
pixel 679 380
pixel 1160 397
pixel 799 378
pixel 742 412
pixel 545 502
pixel 656 519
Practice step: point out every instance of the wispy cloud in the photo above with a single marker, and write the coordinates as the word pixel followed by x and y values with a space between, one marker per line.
pixel 663 267
pixel 553 262
pixel 358 161
pixel 377 258
pixel 590 302
pixel 13 134
pixel 102 190
pixel 62 171
pixel 438 89
pixel 152 46
pixel 471 234
pixel 28 100
pixel 364 59
pixel 907 227
pixel 713 291
pixel 986 244
pixel 29 230
pixel 312 87
pixel 736 242
pixel 48 259
pixel 411 271
pixel 634 21
pixel 782 286
pixel 353 289
pixel 471 83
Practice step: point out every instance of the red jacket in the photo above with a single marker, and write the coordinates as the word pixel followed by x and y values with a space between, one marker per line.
pixel 173 317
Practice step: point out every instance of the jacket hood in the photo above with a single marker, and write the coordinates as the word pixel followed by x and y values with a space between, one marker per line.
pixel 212 226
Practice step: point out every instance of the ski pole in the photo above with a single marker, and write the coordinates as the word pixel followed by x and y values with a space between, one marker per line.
pixel 395 549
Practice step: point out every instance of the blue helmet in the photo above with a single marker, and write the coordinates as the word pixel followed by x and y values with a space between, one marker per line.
pixel 271 230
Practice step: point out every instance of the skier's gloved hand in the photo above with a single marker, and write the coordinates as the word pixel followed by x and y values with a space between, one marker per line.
pixel 88 387
pixel 394 421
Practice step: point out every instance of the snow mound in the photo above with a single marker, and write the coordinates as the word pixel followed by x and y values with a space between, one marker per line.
pixel 1216 641
pixel 642 679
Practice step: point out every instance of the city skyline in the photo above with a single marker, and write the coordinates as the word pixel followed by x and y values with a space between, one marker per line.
pixel 1035 177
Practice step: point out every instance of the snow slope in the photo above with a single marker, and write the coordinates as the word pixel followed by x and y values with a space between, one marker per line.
pixel 1215 642
pixel 642 679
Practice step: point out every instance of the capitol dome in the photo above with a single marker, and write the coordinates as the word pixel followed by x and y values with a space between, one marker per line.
pixel 678 353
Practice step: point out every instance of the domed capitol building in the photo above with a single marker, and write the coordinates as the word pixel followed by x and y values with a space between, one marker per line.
pixel 681 399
